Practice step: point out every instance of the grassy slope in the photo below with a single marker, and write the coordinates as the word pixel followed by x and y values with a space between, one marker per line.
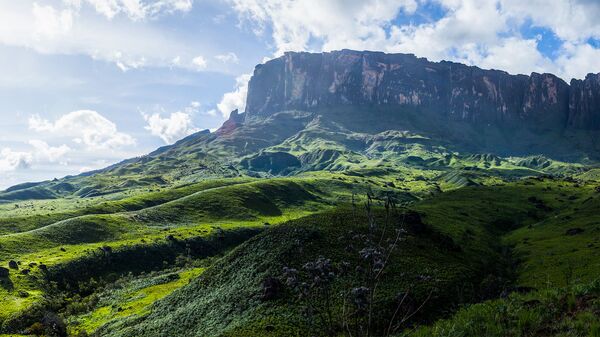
pixel 241 202
pixel 552 257
pixel 480 219
pixel 25 216
pixel 131 296
pixel 196 214
pixel 195 210
pixel 532 215
pixel 564 268
pixel 562 312
pixel 226 299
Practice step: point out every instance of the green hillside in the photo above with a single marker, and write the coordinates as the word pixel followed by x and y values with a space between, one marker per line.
pixel 464 246
pixel 312 223
pixel 470 236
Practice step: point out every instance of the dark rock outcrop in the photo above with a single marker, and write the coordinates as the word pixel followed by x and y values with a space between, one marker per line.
pixel 235 120
pixel 453 91
pixel 574 231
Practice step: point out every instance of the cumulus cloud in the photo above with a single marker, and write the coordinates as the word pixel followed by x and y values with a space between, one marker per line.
pixel 174 127
pixel 467 26
pixel 46 153
pixel 86 127
pixel 63 27
pixel 40 153
pixel 94 165
pixel 12 160
pixel 199 62
pixel 134 9
pixel 483 33
pixel 237 98
pixel 336 23
pixel 578 59
pixel 571 20
pixel 517 56
pixel 230 57
pixel 50 22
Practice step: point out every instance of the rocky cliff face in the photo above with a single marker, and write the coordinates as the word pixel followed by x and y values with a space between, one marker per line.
pixel 584 103
pixel 307 81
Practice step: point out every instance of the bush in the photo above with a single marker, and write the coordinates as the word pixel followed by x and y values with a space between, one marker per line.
pixel 36 329
pixel 54 326
pixel 12 264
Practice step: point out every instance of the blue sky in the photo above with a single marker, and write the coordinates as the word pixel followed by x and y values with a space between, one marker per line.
pixel 86 83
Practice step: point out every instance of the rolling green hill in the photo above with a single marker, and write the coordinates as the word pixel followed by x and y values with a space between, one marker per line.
pixel 466 252
pixel 468 244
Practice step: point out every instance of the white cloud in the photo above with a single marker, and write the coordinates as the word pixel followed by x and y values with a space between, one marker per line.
pixel 162 7
pixel 84 169
pixel 178 125
pixel 87 127
pixel 134 9
pixel 577 60
pixel 50 22
pixel 110 8
pixel 64 27
pixel 199 62
pixel 235 99
pixel 94 165
pixel 176 61
pixel 483 33
pixel 211 112
pixel 44 152
pixel 230 57
pixel 40 153
pixel 12 160
pixel 514 55
pixel 573 20
pixel 337 23
pixel 467 26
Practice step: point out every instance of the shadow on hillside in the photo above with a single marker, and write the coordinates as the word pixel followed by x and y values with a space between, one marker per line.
pixel 6 283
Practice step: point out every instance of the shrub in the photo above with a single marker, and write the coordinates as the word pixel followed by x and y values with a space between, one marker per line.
pixel 12 264
pixel 54 326
pixel 36 329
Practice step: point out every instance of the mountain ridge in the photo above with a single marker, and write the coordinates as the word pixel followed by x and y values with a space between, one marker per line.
pixel 313 81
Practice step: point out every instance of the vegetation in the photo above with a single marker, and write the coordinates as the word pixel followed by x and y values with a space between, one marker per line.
pixel 573 311
pixel 312 228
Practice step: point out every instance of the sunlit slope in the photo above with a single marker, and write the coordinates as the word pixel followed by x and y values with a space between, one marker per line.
pixel 222 208
pixel 483 229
